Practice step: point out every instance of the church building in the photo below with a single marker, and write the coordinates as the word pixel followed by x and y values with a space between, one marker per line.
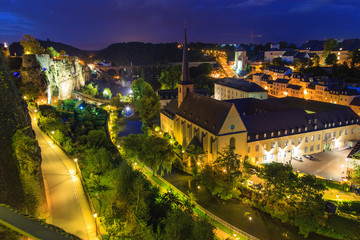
pixel 276 129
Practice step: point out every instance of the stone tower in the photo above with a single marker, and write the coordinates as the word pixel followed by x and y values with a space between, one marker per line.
pixel 185 85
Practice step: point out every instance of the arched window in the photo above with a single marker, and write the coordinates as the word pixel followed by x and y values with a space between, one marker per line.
pixel 232 143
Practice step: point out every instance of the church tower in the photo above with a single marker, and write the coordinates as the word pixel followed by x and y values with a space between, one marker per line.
pixel 185 85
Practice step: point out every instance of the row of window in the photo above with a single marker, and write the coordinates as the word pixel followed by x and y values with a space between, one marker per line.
pixel 272 134
pixel 312 138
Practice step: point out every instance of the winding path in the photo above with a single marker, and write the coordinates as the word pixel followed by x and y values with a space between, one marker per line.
pixel 69 208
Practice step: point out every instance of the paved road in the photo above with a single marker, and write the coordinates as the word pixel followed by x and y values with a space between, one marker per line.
pixel 329 165
pixel 26 226
pixel 69 208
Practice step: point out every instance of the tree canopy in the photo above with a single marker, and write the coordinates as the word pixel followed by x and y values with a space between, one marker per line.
pixel 31 45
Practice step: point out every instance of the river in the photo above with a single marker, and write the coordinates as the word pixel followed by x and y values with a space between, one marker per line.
pixel 261 225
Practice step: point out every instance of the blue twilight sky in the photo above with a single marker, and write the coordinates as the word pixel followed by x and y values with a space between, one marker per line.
pixel 94 24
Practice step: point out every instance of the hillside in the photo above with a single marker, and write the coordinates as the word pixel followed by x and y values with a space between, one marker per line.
pixel 15 47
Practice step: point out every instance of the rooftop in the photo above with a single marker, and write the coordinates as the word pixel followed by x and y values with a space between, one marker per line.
pixel 240 84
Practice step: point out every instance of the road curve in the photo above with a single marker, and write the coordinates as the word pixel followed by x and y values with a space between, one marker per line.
pixel 68 205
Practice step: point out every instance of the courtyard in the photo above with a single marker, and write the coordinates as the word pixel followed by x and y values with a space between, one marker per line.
pixel 330 164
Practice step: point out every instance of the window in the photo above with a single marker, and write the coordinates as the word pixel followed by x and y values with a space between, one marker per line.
pixel 318 147
pixel 340 132
pixel 306 139
pixel 257 148
pixel 272 134
pixel 292 141
pixel 334 134
pixel 272 145
pixel 305 150
pixel 346 132
pixel 292 130
pixel 264 135
pixel 248 138
pixel 272 156
pixel 319 137
pixel 232 143
pixel 299 141
pixel 279 133
pixel 248 149
pixel 257 136
pixel 305 129
pixel 333 124
pixel 286 142
pixel 299 130
pixel 265 146
pixel 312 138
pixel 315 127
pixel 345 142
pixel 311 148
pixel 325 125
pixel 279 143
pixel 285 132
pixel 264 158
pixel 278 155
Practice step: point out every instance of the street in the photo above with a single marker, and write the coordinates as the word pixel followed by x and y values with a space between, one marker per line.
pixel 329 164
pixel 69 208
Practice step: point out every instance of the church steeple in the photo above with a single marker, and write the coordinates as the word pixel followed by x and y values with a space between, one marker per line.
pixel 185 85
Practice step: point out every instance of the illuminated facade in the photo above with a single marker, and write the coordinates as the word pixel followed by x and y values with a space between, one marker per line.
pixel 231 88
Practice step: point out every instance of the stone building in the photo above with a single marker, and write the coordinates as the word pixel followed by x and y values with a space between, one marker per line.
pixel 264 130
pixel 231 88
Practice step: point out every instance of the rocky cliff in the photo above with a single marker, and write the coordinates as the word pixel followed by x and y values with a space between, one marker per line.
pixel 15 120
pixel 63 75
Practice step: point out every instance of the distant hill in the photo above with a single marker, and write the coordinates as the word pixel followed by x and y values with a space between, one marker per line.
pixel 15 47
pixel 139 53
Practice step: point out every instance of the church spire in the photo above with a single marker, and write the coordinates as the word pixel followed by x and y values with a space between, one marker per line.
pixel 185 85
pixel 185 76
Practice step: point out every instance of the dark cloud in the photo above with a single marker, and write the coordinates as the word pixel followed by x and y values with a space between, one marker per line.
pixel 93 24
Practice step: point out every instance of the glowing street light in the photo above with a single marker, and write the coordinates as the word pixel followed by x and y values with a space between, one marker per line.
pixel 95 215
pixel 75 160
pixel 52 132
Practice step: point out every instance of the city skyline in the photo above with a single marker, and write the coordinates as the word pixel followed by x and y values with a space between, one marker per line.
pixel 92 25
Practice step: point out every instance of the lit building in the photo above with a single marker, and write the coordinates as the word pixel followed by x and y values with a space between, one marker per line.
pixel 231 88
pixel 278 72
pixel 264 130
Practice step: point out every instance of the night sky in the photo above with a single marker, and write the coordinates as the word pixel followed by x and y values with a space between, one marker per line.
pixel 94 24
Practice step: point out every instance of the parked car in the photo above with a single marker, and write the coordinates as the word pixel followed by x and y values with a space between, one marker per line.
pixel 307 156
pixel 297 158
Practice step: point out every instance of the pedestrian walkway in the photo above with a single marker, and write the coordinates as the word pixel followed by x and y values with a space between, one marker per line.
pixel 26 226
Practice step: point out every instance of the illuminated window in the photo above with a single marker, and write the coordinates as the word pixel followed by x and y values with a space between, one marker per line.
pixel 312 138
pixel 319 136
pixel 286 142
pixel 305 150
pixel 285 132
pixel 257 148
pixel 311 148
pixel 306 139
pixel 292 130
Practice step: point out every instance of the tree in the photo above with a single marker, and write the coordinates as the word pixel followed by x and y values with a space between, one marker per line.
pixel 354 58
pixel 170 77
pixel 158 153
pixel 148 104
pixel 229 162
pixel 137 88
pixel 283 44
pixel 278 62
pixel 52 52
pixel 331 59
pixel 107 93
pixel 62 54
pixel 356 175
pixel 31 45
pixel 97 138
pixel 329 45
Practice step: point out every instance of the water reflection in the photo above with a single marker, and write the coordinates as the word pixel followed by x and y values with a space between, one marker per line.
pixel 240 215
